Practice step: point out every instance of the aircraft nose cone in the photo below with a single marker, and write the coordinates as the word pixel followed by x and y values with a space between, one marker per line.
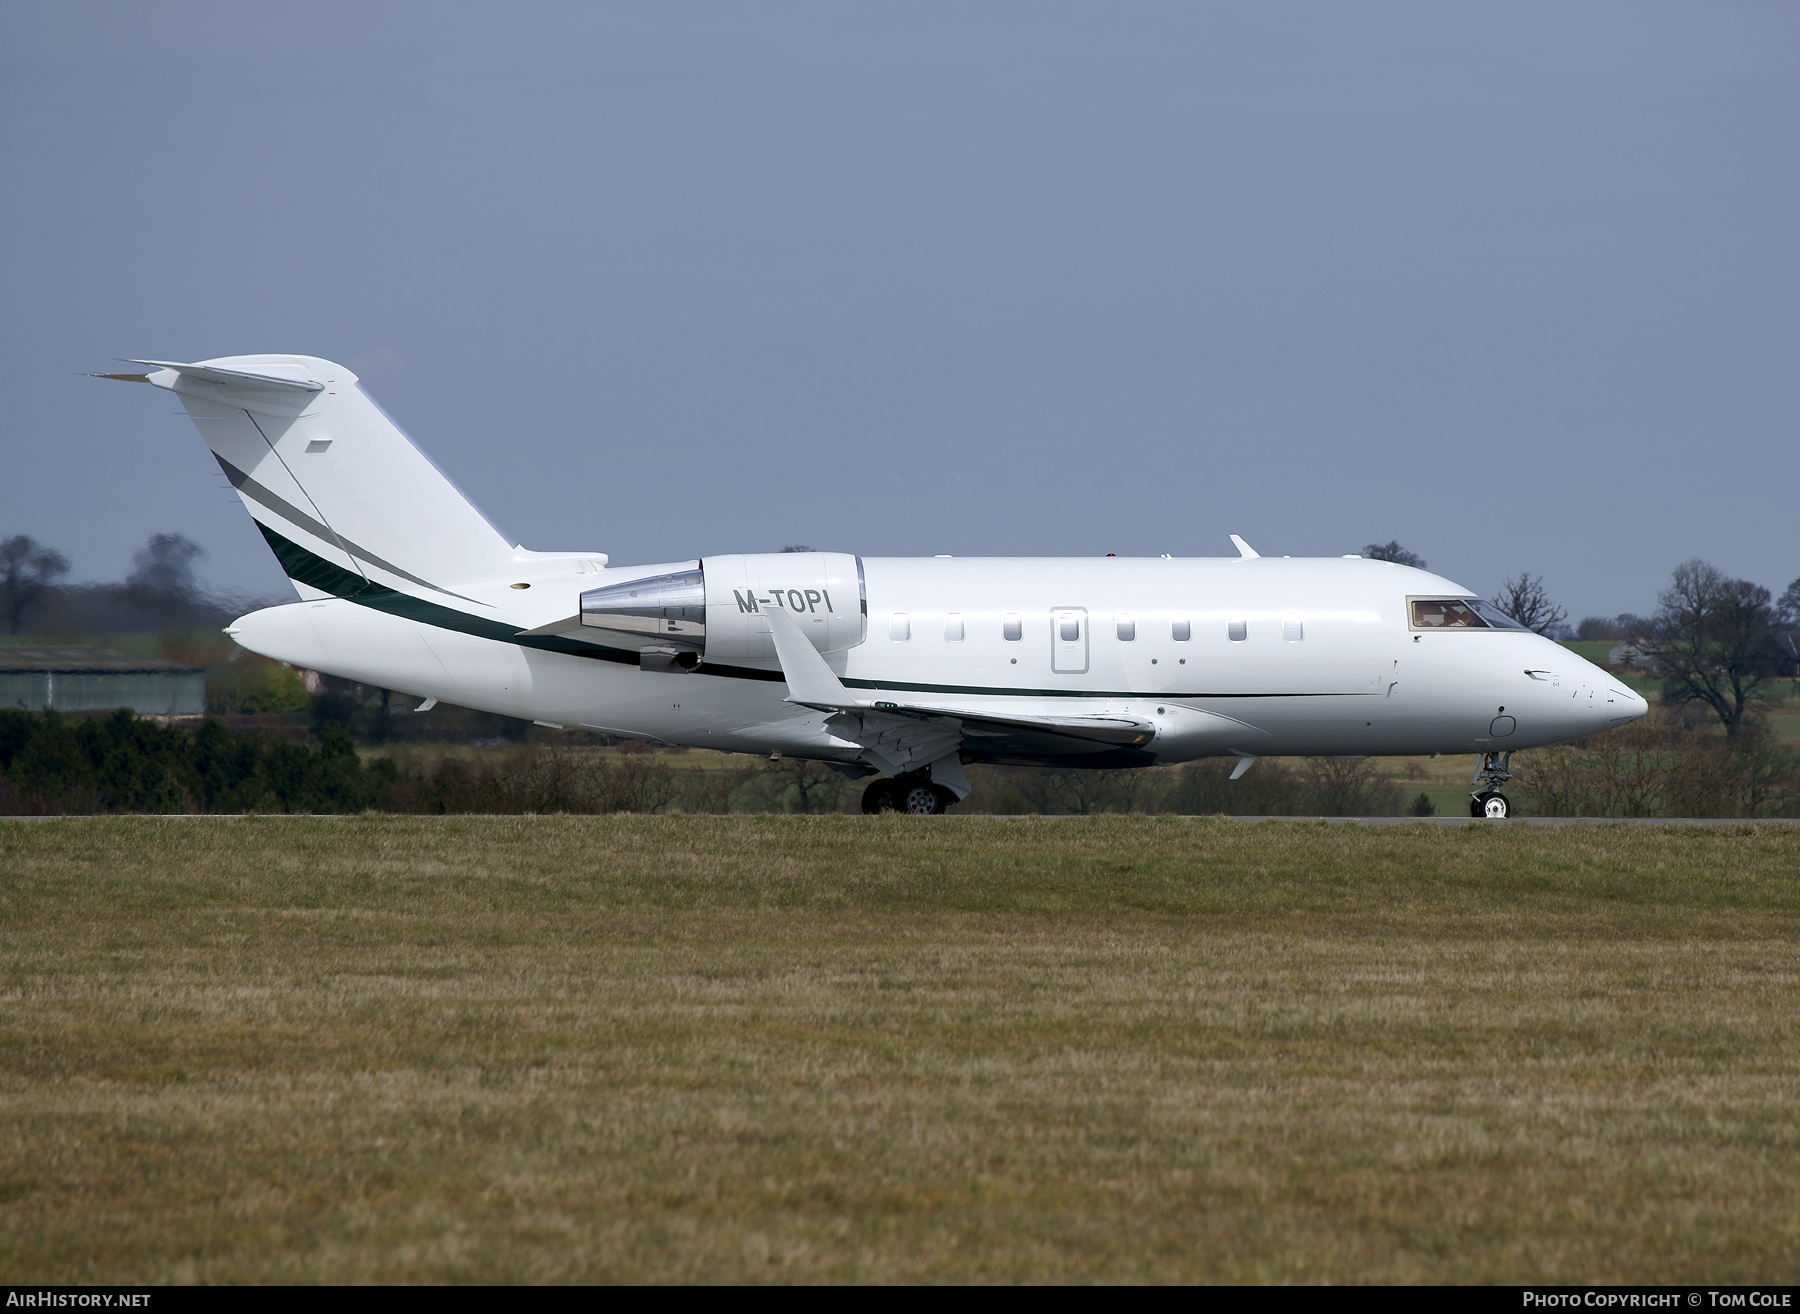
pixel 1623 705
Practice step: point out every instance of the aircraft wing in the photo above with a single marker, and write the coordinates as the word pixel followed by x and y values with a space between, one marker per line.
pixel 899 735
pixel 1111 730
pixel 907 735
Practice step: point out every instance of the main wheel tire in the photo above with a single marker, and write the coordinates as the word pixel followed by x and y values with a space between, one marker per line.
pixel 1475 808
pixel 879 797
pixel 1496 807
pixel 918 796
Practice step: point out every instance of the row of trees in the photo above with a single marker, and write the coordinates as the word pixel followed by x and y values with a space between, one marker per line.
pixel 1668 764
pixel 55 764
pixel 1671 763
pixel 51 763
pixel 162 593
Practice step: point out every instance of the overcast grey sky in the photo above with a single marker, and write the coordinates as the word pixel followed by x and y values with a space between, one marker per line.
pixel 1514 284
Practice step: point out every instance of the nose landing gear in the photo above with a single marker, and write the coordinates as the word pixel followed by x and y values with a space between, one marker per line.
pixel 1486 800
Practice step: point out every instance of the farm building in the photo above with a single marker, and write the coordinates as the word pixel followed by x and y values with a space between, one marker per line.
pixel 96 679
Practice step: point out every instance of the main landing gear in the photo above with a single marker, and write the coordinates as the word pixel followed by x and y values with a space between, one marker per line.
pixel 912 793
pixel 1486 800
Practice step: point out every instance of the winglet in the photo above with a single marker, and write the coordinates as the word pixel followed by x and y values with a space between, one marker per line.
pixel 1244 549
pixel 810 681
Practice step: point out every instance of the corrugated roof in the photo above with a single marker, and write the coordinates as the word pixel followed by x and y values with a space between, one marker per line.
pixel 72 660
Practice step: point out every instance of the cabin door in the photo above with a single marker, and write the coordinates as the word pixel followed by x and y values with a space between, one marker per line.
pixel 1069 640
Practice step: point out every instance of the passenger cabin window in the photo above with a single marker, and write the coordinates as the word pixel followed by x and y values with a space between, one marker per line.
pixel 953 627
pixel 900 627
pixel 1292 631
pixel 1181 631
pixel 1012 629
pixel 1127 623
pixel 1238 630
pixel 1071 630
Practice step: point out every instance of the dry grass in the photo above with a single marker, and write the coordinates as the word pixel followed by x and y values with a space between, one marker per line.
pixel 679 1049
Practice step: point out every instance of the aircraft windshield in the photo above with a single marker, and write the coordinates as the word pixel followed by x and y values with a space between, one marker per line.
pixel 1493 615
pixel 1460 614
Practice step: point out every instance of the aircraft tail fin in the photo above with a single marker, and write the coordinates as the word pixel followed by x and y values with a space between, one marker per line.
pixel 342 495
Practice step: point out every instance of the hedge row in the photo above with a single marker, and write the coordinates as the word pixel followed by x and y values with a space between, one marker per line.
pixel 51 763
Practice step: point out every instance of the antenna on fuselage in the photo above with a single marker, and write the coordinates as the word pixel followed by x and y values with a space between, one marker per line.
pixel 1244 549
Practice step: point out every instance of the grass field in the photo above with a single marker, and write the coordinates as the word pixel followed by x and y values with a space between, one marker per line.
pixel 881 1049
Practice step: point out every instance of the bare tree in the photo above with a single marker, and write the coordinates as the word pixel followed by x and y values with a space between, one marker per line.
pixel 1392 551
pixel 1713 642
pixel 794 784
pixel 796 547
pixel 816 787
pixel 1788 605
pixel 29 568
pixel 1350 787
pixel 1525 601
pixel 1787 614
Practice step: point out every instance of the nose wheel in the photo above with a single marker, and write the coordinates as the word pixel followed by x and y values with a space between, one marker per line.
pixel 1486 800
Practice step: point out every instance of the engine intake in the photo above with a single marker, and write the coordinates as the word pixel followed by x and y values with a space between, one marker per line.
pixel 663 611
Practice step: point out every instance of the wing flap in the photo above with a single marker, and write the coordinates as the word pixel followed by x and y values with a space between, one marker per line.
pixel 1111 730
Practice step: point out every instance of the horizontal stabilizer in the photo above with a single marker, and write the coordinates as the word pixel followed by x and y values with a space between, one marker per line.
pixel 238 378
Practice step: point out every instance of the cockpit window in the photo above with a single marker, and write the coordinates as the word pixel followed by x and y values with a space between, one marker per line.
pixel 1460 614
pixel 1445 614
pixel 1493 615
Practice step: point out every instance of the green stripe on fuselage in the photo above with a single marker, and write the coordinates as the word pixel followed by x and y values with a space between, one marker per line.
pixel 313 570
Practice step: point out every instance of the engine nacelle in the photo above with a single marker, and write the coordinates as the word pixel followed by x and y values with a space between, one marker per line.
pixel 823 591
pixel 714 609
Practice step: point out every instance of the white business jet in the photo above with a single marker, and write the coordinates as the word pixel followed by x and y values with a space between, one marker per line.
pixel 901 668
